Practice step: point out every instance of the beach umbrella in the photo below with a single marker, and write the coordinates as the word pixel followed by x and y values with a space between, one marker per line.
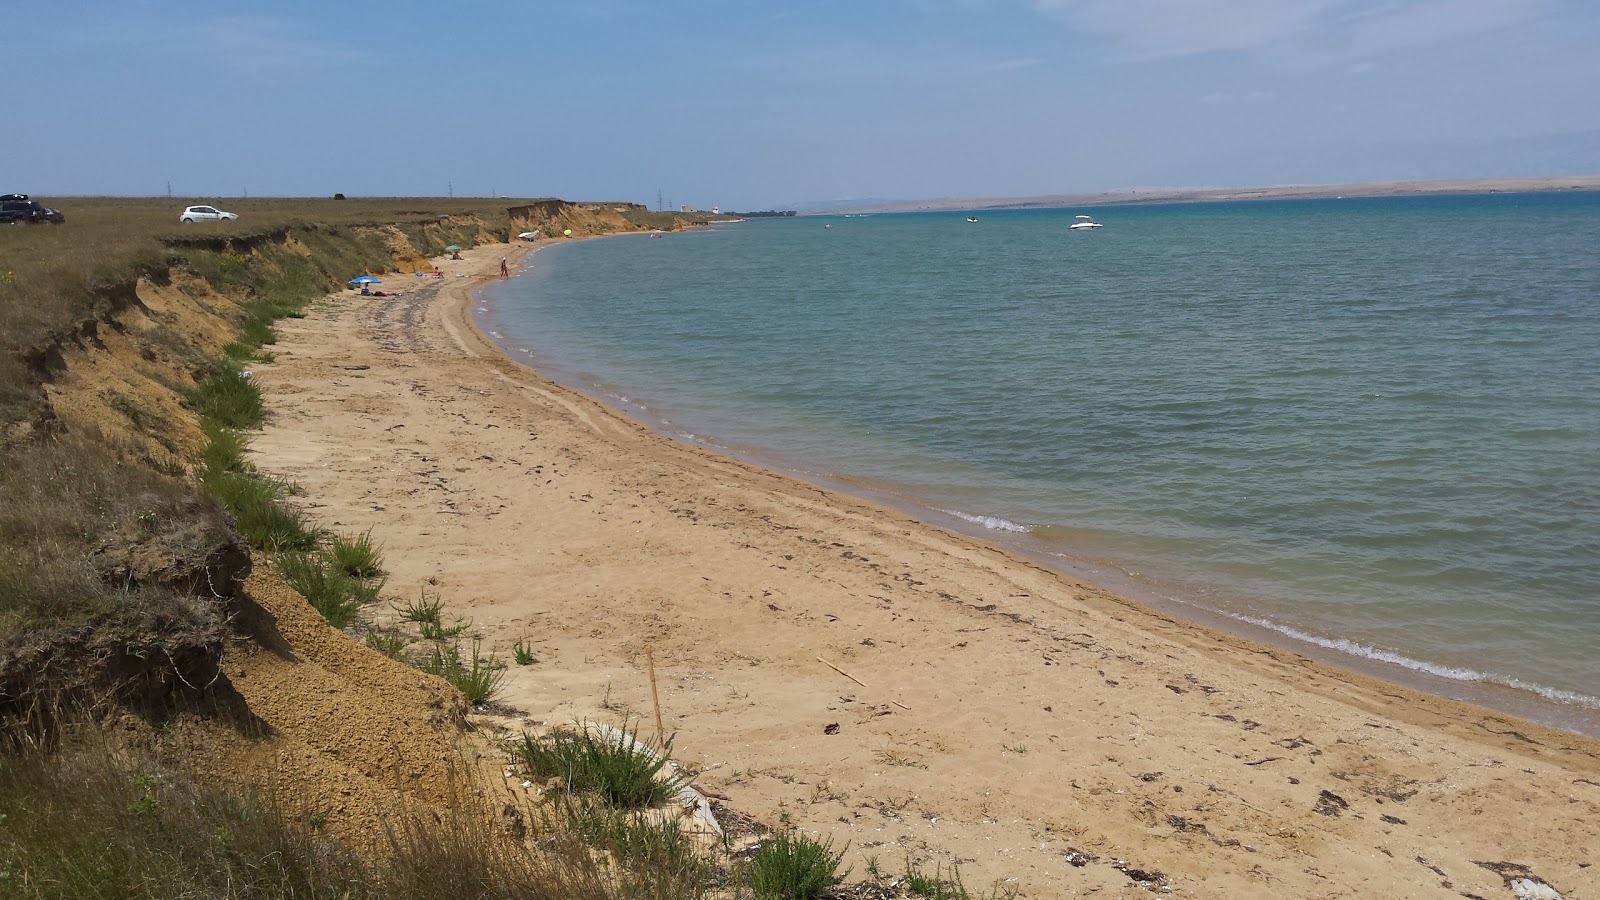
pixel 452 249
pixel 366 279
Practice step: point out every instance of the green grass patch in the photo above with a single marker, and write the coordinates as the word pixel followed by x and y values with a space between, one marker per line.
pixel 793 866
pixel 640 841
pixel 330 591
pixel 229 399
pixel 264 521
pixel 387 641
pixel 477 677
pixel 356 555
pixel 618 769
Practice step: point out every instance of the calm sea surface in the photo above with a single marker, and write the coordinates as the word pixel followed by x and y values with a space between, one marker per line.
pixel 1372 426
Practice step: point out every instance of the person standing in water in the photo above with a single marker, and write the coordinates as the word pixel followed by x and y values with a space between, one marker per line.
pixel 504 269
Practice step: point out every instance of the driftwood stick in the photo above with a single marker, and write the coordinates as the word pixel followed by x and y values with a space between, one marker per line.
pixel 655 696
pixel 841 671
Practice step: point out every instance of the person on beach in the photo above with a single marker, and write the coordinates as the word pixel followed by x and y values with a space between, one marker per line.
pixel 504 269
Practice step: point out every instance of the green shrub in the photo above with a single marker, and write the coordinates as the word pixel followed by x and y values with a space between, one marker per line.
pixel 792 866
pixel 621 771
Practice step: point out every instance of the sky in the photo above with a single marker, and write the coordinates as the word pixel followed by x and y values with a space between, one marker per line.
pixel 746 104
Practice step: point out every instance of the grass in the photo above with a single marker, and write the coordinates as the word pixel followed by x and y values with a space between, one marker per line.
pixel 477 677
pixel 793 866
pixel 641 842
pixel 264 521
pixel 423 610
pixel 356 555
pixel 330 590
pixel 388 642
pixel 228 399
pixel 434 630
pixel 131 820
pixel 621 771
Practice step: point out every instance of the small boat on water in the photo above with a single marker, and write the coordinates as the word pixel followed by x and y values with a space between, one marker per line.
pixel 1084 223
pixel 972 218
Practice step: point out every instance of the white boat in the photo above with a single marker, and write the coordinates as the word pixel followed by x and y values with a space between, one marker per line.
pixel 1085 223
pixel 972 218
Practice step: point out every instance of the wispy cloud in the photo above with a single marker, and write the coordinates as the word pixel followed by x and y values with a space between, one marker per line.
pixel 1327 30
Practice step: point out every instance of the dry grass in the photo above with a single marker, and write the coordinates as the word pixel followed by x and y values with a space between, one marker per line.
pixel 52 277
pixel 131 819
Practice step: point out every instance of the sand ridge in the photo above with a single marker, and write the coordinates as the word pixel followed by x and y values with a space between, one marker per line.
pixel 1038 731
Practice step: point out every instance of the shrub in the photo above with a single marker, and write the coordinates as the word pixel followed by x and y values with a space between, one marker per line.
pixel 619 769
pixel 792 866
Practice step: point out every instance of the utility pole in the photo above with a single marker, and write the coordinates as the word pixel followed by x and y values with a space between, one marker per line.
pixel 661 205
pixel 450 188
pixel 169 187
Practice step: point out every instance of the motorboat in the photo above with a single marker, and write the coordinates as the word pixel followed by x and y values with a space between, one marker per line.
pixel 972 218
pixel 1085 223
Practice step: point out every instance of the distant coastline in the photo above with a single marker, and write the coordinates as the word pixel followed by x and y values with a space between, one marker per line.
pixel 1205 195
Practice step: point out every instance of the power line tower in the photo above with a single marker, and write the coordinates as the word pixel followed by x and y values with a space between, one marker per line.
pixel 661 205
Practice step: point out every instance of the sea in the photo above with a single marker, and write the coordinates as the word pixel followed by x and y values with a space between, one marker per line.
pixel 1367 429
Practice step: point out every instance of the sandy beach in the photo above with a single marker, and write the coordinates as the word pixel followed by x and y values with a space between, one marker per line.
pixel 830 664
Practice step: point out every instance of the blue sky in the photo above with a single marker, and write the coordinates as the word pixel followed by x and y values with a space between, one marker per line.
pixel 748 104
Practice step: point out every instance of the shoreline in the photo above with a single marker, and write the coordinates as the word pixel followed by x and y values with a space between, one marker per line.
pixel 1494 691
pixel 1004 717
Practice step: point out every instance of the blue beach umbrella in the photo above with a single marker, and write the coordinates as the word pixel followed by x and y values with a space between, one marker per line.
pixel 366 279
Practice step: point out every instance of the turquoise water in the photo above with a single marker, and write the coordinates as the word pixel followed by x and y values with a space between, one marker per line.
pixel 1372 425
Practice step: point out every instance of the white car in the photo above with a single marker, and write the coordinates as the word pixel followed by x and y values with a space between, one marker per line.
pixel 205 214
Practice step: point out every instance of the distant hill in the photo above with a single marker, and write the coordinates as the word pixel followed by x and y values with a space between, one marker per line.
pixel 1202 194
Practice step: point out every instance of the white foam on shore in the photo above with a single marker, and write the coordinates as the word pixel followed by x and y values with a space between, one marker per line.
pixel 994 523
pixel 1453 673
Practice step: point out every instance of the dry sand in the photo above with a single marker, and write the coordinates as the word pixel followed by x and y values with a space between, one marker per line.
pixel 1040 732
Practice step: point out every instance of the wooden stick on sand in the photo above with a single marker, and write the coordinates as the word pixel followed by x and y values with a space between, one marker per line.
pixel 655 697
pixel 841 671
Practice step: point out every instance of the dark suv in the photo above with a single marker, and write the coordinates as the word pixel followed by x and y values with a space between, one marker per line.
pixel 16 209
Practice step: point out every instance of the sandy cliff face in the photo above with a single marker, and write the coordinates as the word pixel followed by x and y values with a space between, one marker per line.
pixel 266 693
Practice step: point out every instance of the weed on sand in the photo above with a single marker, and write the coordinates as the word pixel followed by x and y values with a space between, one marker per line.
pixel 477 677
pixel 792 866
pixel 613 765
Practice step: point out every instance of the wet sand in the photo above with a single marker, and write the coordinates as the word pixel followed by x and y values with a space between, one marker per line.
pixel 830 663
